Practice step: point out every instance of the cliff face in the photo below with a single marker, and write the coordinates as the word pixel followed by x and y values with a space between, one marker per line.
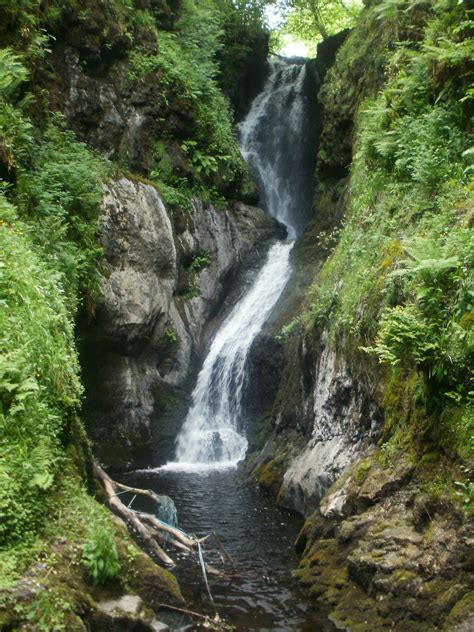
pixel 138 93
pixel 327 414
pixel 342 420
pixel 165 277
pixel 374 454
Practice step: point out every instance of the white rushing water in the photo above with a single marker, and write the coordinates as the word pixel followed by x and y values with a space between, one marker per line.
pixel 210 433
pixel 271 140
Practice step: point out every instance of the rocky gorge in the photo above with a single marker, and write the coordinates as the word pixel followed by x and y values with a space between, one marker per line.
pixel 355 402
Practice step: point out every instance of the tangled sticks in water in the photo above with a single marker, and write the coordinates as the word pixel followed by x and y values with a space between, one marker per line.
pixel 151 529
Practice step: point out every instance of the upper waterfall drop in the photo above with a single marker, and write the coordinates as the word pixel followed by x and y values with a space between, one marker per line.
pixel 272 139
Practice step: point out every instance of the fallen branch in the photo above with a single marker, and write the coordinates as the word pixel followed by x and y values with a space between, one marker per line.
pixel 204 574
pixel 129 515
pixel 223 549
pixel 151 529
pixel 167 539
pixel 177 533
pixel 191 613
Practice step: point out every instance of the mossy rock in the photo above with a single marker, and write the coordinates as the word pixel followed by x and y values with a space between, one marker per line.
pixel 268 476
pixel 153 584
pixel 362 470
pixel 314 527
pixel 323 569
pixel 461 612
pixel 357 612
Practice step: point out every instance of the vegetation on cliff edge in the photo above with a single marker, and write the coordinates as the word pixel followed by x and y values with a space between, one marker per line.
pixel 398 283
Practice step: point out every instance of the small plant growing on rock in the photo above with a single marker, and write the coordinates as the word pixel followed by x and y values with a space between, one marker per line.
pixel 171 336
pixel 192 291
pixel 200 261
pixel 100 557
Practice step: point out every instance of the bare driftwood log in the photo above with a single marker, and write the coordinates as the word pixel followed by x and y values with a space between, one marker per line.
pixel 153 530
pixel 147 526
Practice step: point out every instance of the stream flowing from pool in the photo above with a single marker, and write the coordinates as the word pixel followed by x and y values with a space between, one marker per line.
pixel 208 488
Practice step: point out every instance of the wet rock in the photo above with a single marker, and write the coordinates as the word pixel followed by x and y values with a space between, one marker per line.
pixel 461 617
pixel 362 484
pixel 137 237
pixel 396 574
pixel 127 614
pixel 242 81
pixel 152 583
pixel 466 626
pixel 344 423
pixel 128 604
pixel 263 374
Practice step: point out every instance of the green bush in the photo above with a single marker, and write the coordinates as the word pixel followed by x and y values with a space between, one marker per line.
pixel 171 336
pixel 16 130
pixel 432 328
pixel 59 195
pixel 202 260
pixel 100 557
pixel 48 256
pixel 424 148
pixel 186 66
pixel 399 283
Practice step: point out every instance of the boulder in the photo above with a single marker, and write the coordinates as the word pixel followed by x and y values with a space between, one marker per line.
pixel 126 614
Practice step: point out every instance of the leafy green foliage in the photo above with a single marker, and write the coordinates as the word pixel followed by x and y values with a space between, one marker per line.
pixel 424 148
pixel 16 136
pixel 193 291
pixel 12 73
pixel 243 31
pixel 431 328
pixel 48 256
pixel 59 195
pixel 399 282
pixel 39 384
pixel 311 21
pixel 178 193
pixel 100 557
pixel 185 64
pixel 200 261
pixel 171 336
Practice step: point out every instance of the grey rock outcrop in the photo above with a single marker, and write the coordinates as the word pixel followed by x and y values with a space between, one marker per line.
pixel 126 613
pixel 345 423
pixel 325 416
pixel 165 277
pixel 126 117
pixel 384 554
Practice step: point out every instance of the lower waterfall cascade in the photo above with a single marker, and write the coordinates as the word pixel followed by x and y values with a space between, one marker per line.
pixel 272 139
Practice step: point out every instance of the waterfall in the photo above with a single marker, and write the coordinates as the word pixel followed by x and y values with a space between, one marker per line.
pixel 272 142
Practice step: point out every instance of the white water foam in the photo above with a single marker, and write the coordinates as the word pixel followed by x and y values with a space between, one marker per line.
pixel 272 138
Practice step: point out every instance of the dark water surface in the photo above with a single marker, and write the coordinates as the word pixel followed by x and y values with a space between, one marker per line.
pixel 259 537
